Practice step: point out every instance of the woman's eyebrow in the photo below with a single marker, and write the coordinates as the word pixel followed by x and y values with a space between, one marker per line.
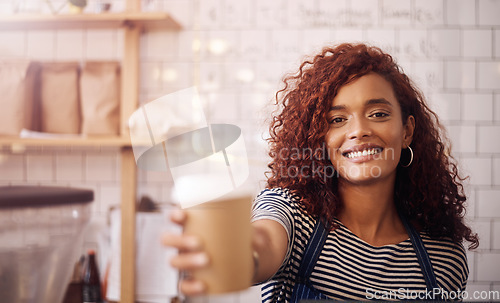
pixel 368 102
pixel 378 101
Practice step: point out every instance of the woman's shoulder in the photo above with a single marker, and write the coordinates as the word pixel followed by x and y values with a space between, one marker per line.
pixel 448 257
pixel 278 194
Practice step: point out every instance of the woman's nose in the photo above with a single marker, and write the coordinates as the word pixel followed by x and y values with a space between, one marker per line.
pixel 359 128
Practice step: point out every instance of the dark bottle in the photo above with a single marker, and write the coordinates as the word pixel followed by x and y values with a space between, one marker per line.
pixel 91 283
pixel 74 290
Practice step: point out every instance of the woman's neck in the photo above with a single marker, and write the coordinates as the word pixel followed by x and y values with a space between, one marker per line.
pixel 370 213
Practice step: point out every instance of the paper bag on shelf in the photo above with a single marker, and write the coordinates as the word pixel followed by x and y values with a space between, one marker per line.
pixel 18 84
pixel 60 109
pixel 156 280
pixel 100 98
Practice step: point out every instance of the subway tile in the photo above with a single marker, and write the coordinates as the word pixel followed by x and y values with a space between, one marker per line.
pixel 413 43
pixel 238 14
pixel 429 12
pixel 101 45
pixel 16 46
pixel 463 138
pixel 488 203
pixel 151 75
pixel 109 196
pixel 240 74
pixel 477 107
pixel 445 42
pixel 479 170
pixel 41 45
pixel 497 43
pixel 12 167
pixel 254 107
pixel 483 229
pixel 211 76
pixel 460 74
pixel 494 294
pixel 101 167
pixel 177 74
pixel 495 235
pixel 160 45
pixel 488 266
pixel 396 12
pixel 488 12
pixel 329 13
pixel 223 108
pixel 446 105
pixel 383 38
pixel 306 14
pixel 269 73
pixel 285 44
pixel 69 167
pixel 428 74
pixel 488 139
pixel 211 14
pixel 40 167
pixel 189 44
pixel 253 44
pixel 349 35
pixel 223 44
pixel 476 287
pixel 477 43
pixel 271 14
pixel 69 44
pixel 364 13
pixel 461 12
pixel 496 171
pixel 470 193
pixel 488 75
pixel 316 39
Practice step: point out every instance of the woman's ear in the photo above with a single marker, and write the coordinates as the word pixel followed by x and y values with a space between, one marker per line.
pixel 409 127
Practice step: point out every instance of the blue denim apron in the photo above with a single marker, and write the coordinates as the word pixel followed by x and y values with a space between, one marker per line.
pixel 304 290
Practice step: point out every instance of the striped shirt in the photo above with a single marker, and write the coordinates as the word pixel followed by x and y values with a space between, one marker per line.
pixel 348 268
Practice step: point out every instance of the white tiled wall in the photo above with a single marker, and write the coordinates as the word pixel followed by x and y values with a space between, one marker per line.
pixel 237 51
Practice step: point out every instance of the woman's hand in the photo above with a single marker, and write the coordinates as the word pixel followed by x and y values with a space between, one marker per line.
pixel 191 256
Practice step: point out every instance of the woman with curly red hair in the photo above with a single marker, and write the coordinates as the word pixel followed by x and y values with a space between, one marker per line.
pixel 363 200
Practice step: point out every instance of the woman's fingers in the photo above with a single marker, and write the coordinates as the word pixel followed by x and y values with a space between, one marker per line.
pixel 182 242
pixel 192 287
pixel 190 261
pixel 178 216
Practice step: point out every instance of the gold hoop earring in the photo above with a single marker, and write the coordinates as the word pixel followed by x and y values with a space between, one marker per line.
pixel 411 157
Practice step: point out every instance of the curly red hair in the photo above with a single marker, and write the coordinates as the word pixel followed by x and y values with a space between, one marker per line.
pixel 429 192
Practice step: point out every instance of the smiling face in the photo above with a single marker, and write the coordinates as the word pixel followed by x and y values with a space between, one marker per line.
pixel 366 132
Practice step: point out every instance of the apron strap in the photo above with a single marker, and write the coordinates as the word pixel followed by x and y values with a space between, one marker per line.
pixel 312 252
pixel 422 256
pixel 318 238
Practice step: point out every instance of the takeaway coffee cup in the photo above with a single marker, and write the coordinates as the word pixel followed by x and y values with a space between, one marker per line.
pixel 223 225
pixel 209 165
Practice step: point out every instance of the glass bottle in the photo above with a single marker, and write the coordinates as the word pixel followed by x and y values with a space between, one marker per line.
pixel 91 282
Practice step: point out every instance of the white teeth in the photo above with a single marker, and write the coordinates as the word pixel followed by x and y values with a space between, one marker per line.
pixel 365 152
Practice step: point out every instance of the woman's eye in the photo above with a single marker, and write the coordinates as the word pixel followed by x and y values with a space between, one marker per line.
pixel 379 115
pixel 337 120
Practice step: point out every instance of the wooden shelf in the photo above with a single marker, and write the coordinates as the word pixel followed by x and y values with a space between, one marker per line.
pixel 147 20
pixel 83 141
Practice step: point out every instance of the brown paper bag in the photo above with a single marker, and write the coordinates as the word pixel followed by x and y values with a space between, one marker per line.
pixel 100 98
pixel 18 107
pixel 60 109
